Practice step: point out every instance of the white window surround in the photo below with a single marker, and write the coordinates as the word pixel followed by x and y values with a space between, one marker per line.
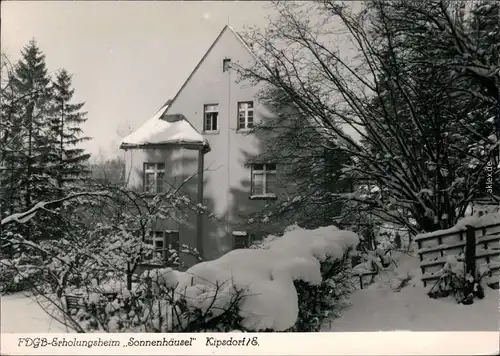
pixel 211 118
pixel 245 115
pixel 154 176
pixel 263 174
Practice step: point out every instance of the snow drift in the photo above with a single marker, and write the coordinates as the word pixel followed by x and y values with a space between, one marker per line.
pixel 265 275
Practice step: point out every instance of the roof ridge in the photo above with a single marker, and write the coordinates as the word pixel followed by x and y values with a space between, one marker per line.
pixel 240 39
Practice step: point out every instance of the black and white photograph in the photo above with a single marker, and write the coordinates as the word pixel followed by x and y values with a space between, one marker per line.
pixel 249 167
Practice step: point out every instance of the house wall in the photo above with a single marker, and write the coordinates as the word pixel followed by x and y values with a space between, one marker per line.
pixel 227 177
pixel 181 166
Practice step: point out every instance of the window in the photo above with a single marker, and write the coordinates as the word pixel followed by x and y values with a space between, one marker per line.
pixel 211 116
pixel 163 242
pixel 154 177
pixel 226 62
pixel 245 115
pixel 156 239
pixel 263 180
pixel 240 239
pixel 172 239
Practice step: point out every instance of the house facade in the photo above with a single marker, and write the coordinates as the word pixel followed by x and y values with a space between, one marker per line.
pixel 202 143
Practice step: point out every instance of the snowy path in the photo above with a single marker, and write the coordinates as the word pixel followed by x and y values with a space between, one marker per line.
pixel 378 308
pixel 22 314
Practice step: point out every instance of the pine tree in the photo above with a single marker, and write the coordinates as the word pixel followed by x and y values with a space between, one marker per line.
pixel 11 133
pixel 32 82
pixel 69 160
pixel 30 169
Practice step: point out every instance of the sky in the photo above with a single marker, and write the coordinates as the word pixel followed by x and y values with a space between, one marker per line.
pixel 127 58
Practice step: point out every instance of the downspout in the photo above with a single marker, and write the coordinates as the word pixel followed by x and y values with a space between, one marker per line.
pixel 199 216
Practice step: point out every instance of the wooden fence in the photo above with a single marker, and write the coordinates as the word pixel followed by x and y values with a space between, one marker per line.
pixel 363 279
pixel 434 250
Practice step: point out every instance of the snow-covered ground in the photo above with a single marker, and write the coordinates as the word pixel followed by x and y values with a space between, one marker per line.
pixel 379 308
pixel 21 314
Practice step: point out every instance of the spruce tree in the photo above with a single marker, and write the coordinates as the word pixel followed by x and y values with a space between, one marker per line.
pixel 33 85
pixel 11 145
pixel 69 160
pixel 28 180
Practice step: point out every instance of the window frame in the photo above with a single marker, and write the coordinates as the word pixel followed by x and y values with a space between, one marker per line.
pixel 246 112
pixel 163 236
pixel 265 173
pixel 155 171
pixel 207 112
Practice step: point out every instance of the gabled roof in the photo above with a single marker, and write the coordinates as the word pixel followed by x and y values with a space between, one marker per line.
pixel 166 128
pixel 158 131
pixel 226 28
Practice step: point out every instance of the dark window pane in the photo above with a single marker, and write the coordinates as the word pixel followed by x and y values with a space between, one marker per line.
pixel 271 166
pixel 173 239
pixel 160 186
pixel 240 241
pixel 258 185
pixel 258 167
pixel 226 64
pixel 250 105
pixel 214 122
pixel 250 124
pixel 149 183
pixel 270 183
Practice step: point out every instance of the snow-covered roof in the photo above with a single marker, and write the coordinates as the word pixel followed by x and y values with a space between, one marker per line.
pixel 172 128
pixel 158 131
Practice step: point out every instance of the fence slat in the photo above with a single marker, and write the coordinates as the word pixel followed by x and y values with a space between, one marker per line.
pixel 487 234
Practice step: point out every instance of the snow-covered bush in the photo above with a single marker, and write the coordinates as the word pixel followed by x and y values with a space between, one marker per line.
pixel 19 274
pixel 155 304
pixel 372 262
pixel 326 301
pixel 290 283
pixel 456 282
pixel 246 289
pixel 318 301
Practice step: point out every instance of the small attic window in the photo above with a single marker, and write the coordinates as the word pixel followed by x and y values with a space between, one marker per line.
pixel 226 62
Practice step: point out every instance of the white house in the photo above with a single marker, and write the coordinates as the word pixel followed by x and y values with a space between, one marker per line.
pixel 205 132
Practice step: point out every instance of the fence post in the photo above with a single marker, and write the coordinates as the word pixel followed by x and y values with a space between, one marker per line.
pixel 470 258
pixel 470 251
